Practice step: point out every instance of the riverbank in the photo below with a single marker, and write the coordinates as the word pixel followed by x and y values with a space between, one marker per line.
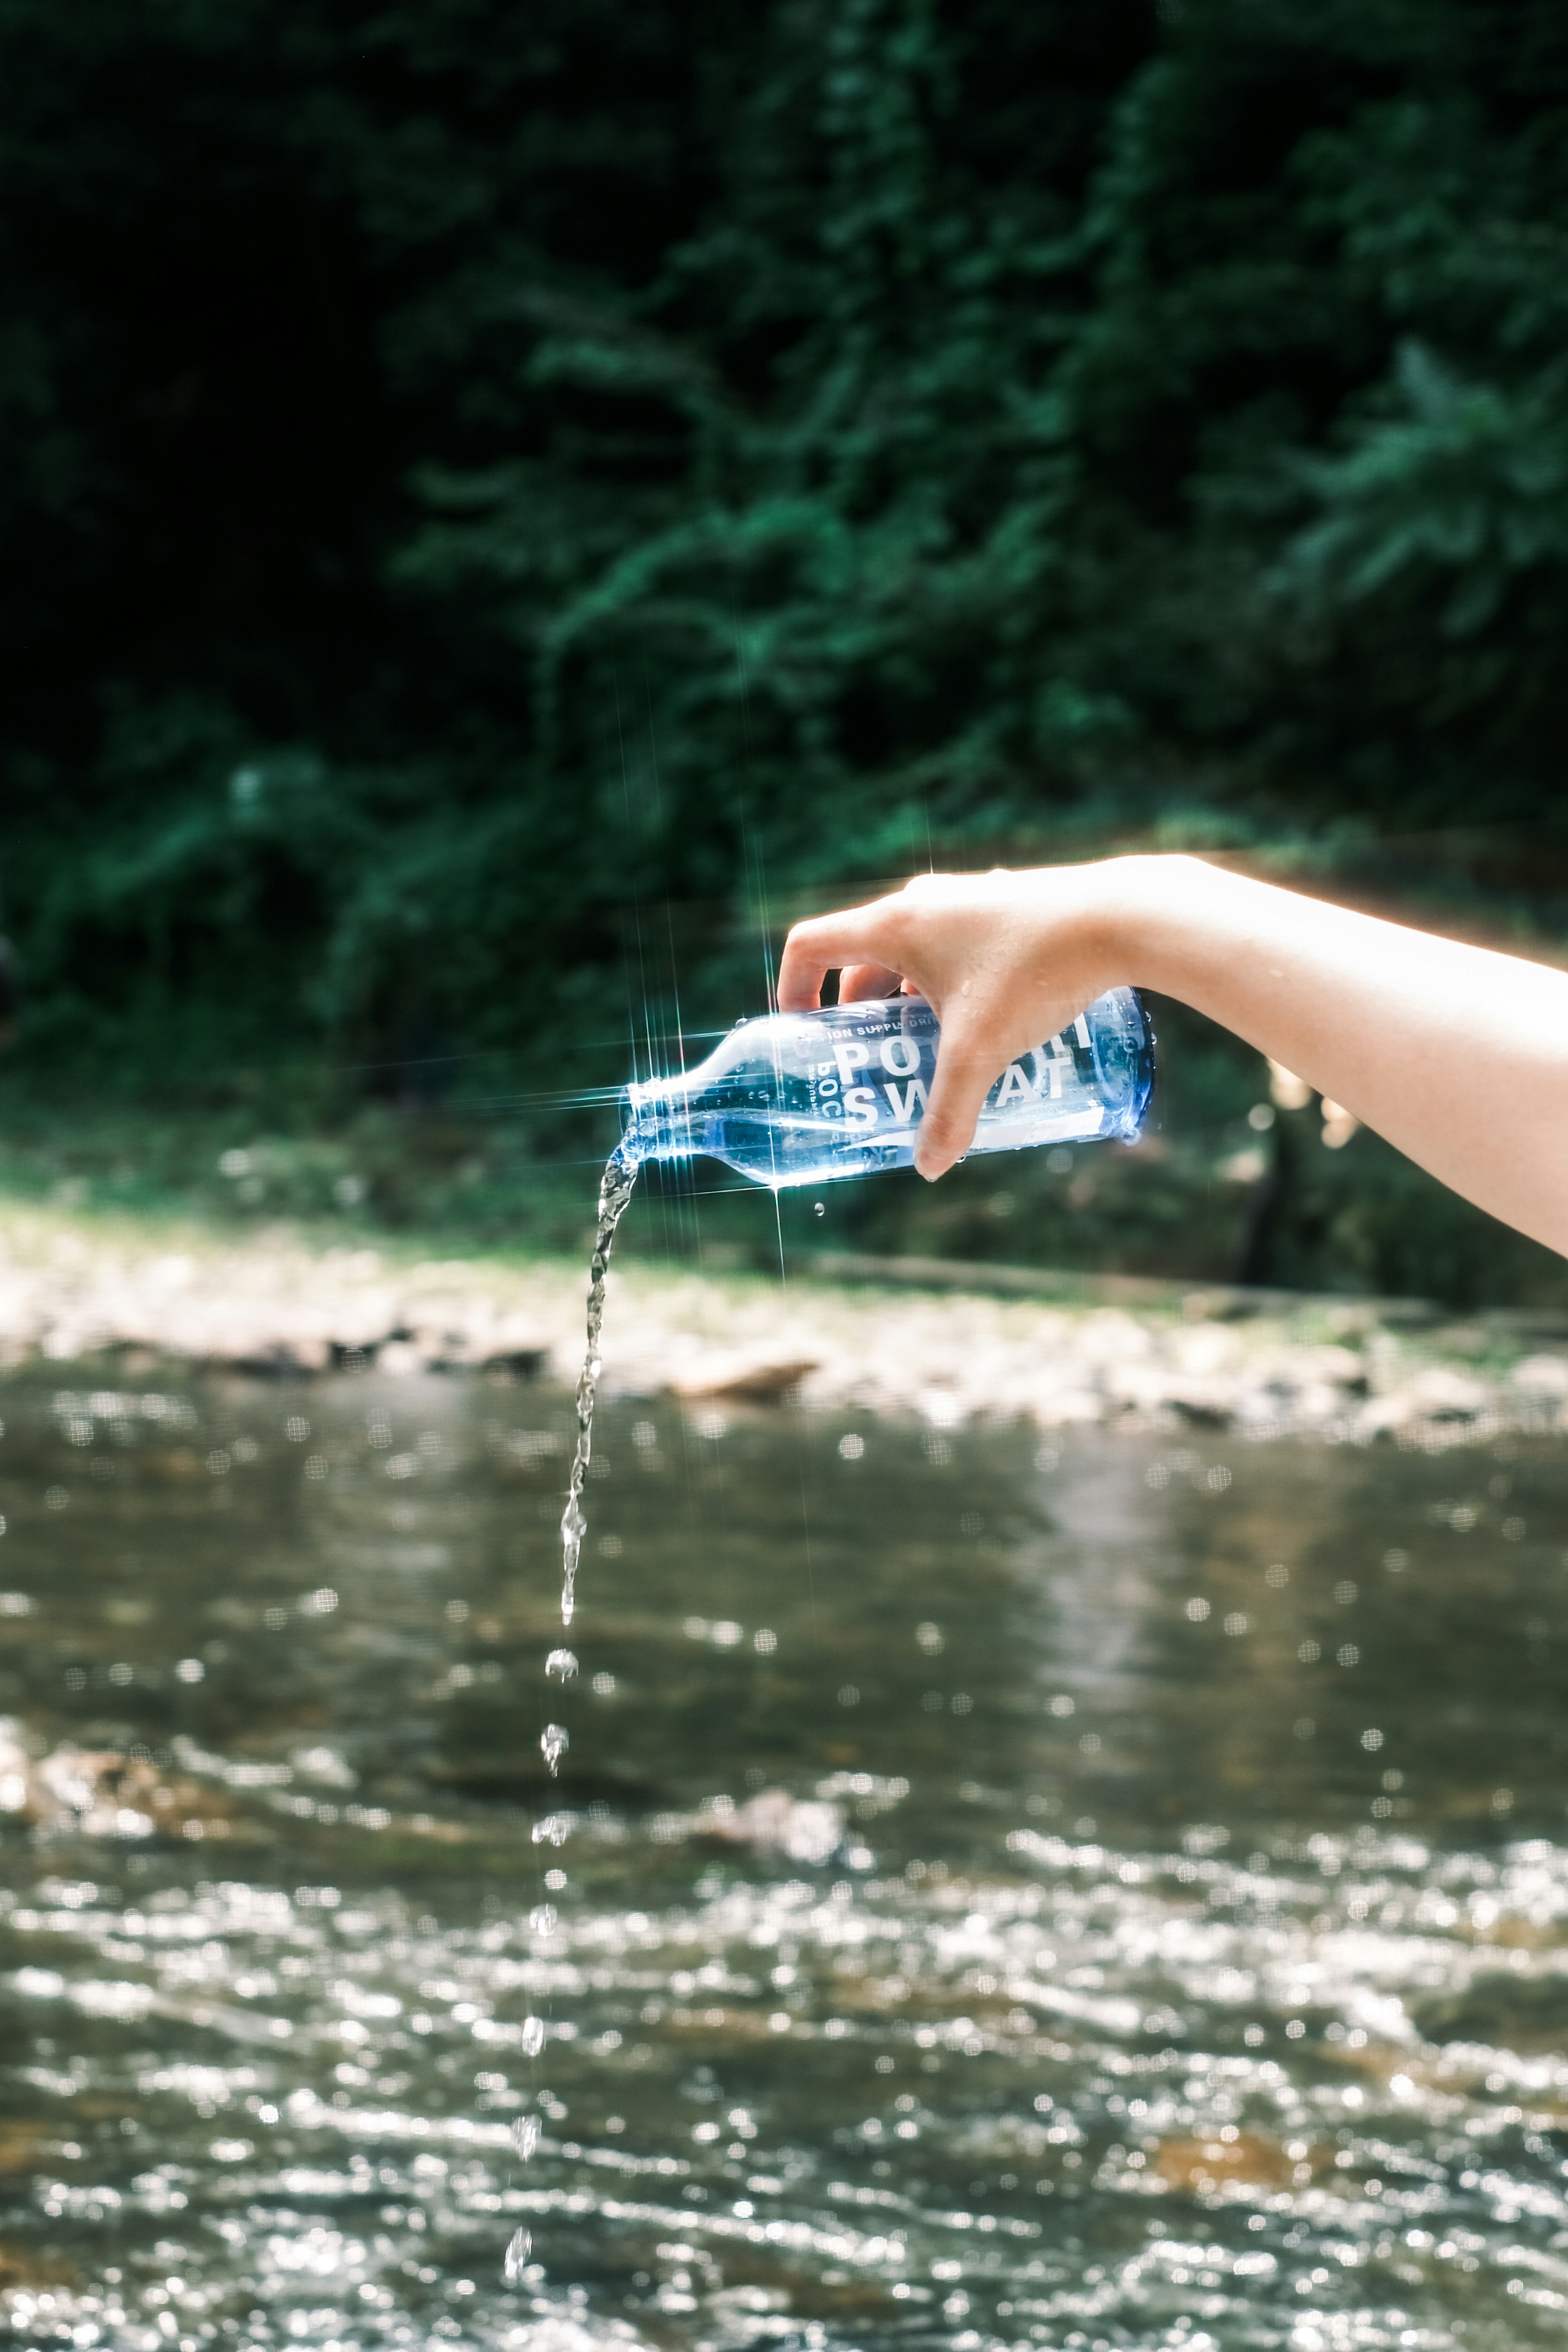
pixel 124 1296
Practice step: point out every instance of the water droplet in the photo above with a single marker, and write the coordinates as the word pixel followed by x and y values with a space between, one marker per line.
pixel 561 1663
pixel 516 2254
pixel 819 1210
pixel 552 1745
pixel 533 2036
pixel 526 2136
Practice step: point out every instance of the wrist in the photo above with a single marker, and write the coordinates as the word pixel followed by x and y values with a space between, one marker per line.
pixel 1155 916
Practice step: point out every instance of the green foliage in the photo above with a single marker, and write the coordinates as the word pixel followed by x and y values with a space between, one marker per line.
pixel 498 501
pixel 1443 544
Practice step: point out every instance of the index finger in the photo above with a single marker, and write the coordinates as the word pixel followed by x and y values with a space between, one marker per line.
pixel 827 943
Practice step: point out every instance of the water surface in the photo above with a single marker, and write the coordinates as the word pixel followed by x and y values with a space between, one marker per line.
pixel 1100 1894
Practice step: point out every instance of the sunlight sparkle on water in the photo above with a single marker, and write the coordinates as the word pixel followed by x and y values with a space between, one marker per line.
pixel 1181 1970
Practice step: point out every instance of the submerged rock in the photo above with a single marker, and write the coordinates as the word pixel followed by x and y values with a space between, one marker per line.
pixel 797 1828
pixel 99 1792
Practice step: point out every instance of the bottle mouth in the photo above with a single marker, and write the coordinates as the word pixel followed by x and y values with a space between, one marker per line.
pixel 638 1097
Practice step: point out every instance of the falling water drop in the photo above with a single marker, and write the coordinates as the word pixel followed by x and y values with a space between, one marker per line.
pixel 561 1663
pixel 526 2136
pixel 552 1745
pixel 516 2254
pixel 533 2036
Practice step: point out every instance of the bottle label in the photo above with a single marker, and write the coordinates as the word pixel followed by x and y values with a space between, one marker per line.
pixel 881 1078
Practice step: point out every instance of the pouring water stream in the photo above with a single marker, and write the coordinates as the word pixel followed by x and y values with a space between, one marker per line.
pixel 616 1188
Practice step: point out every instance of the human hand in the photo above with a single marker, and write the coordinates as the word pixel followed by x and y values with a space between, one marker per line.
pixel 1005 959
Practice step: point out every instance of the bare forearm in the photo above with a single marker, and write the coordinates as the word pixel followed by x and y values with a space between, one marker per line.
pixel 1457 1056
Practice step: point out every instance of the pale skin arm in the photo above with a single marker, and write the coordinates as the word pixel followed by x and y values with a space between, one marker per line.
pixel 1456 1054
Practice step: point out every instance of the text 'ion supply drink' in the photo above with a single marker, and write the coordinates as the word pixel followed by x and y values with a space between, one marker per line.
pixel 807 1098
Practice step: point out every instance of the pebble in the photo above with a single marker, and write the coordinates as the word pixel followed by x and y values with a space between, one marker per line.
pixel 267 1305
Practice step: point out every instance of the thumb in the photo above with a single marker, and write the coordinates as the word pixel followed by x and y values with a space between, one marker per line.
pixel 965 1074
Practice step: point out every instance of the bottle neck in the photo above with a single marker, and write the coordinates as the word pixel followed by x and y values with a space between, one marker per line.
pixel 656 1122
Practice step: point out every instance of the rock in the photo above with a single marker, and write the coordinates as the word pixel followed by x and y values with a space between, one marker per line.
pixel 99 1792
pixel 96 1792
pixel 799 1829
pixel 516 1364
pixel 1437 1400
pixel 1339 1367
pixel 753 1383
pixel 1207 1406
pixel 274 1360
pixel 1063 1408
pixel 1440 1393
pixel 1205 2166
pixel 267 1307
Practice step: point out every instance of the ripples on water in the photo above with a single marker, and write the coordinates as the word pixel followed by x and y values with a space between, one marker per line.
pixel 1110 1896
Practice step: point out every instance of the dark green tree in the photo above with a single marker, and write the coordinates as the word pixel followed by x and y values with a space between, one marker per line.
pixel 472 476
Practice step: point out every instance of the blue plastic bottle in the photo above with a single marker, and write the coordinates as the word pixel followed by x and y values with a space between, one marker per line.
pixel 807 1097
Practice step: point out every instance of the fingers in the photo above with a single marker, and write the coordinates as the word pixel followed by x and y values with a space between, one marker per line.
pixel 965 1073
pixel 858 936
pixel 857 982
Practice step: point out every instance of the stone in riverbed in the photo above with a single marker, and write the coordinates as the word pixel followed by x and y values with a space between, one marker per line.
pixel 751 1382
pixel 99 1792
pixel 798 1829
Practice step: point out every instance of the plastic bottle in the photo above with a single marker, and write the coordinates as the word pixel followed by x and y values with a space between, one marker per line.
pixel 807 1097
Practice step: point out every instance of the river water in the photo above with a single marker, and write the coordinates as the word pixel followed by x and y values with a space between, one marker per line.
pixel 1102 1893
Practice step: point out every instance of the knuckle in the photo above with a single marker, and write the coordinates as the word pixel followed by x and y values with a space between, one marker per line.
pixel 898 926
